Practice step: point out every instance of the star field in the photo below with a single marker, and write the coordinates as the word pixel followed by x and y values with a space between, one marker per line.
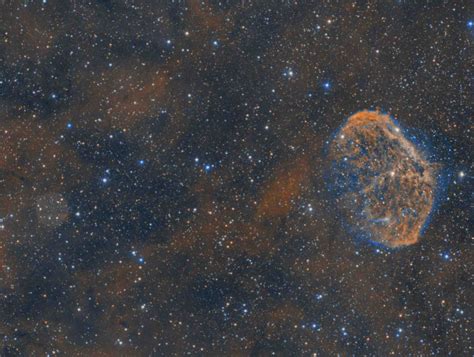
pixel 163 186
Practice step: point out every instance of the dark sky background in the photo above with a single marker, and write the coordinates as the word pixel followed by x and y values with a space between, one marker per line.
pixel 162 187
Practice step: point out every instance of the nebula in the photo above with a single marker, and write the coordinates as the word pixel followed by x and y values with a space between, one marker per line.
pixel 164 172
pixel 384 185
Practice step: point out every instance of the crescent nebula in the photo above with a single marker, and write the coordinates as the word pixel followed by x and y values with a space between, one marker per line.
pixel 383 185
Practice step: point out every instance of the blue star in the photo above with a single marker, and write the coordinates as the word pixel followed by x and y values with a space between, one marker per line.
pixel 288 72
pixel 470 24
pixel 445 256
pixel 326 85
pixel 141 162
pixel 69 125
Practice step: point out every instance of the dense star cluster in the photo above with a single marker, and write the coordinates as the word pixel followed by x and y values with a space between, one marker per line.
pixel 163 186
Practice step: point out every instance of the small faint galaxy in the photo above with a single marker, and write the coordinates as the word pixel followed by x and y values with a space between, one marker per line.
pixel 236 178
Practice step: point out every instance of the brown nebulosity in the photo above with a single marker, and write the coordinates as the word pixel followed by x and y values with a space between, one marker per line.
pixel 125 96
pixel 199 240
pixel 277 198
pixel 31 163
pixel 202 17
pixel 31 34
pixel 292 255
pixel 395 184
pixel 31 188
